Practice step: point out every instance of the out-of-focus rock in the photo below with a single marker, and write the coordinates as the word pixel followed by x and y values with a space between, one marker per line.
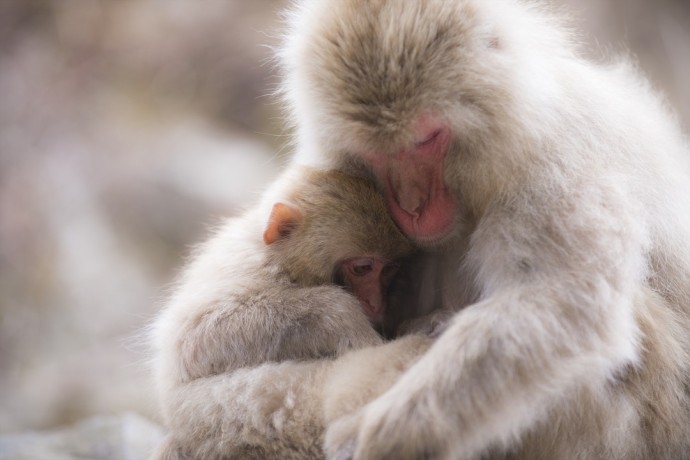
pixel 124 437
pixel 126 130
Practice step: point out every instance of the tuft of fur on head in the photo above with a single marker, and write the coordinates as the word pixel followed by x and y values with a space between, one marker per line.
pixel 503 75
pixel 357 73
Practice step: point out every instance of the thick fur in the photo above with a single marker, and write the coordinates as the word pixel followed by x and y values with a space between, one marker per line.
pixel 570 262
pixel 280 410
pixel 242 307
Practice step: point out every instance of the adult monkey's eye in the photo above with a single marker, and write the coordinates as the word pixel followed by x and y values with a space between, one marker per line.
pixel 429 140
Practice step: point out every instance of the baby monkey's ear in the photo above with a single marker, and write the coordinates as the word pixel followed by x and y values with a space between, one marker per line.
pixel 283 220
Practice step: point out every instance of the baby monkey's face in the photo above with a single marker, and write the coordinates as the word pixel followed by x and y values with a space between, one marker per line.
pixel 368 278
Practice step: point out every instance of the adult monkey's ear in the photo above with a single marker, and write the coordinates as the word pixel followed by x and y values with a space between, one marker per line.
pixel 283 220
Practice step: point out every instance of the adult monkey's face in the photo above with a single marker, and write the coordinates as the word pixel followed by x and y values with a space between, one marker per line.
pixel 413 180
pixel 402 90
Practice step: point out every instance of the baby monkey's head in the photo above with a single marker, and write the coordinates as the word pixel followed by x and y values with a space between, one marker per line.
pixel 336 228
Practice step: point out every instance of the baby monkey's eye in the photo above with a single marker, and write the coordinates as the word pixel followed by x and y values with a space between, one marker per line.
pixel 362 267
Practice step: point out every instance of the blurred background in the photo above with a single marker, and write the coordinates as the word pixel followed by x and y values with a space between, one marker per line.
pixel 127 128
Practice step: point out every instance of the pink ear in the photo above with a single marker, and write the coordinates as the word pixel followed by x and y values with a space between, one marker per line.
pixel 283 219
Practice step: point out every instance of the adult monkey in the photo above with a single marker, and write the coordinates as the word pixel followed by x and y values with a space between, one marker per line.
pixel 559 193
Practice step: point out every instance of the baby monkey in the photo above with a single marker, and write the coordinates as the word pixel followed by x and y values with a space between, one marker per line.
pixel 304 276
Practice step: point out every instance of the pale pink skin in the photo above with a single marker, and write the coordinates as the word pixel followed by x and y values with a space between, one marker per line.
pixel 368 278
pixel 414 183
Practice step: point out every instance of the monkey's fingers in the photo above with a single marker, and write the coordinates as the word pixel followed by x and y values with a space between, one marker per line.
pixel 385 429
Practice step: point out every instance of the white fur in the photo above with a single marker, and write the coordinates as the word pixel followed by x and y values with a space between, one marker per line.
pixel 573 181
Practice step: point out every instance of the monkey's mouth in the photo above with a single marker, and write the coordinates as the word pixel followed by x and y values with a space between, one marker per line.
pixel 421 204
